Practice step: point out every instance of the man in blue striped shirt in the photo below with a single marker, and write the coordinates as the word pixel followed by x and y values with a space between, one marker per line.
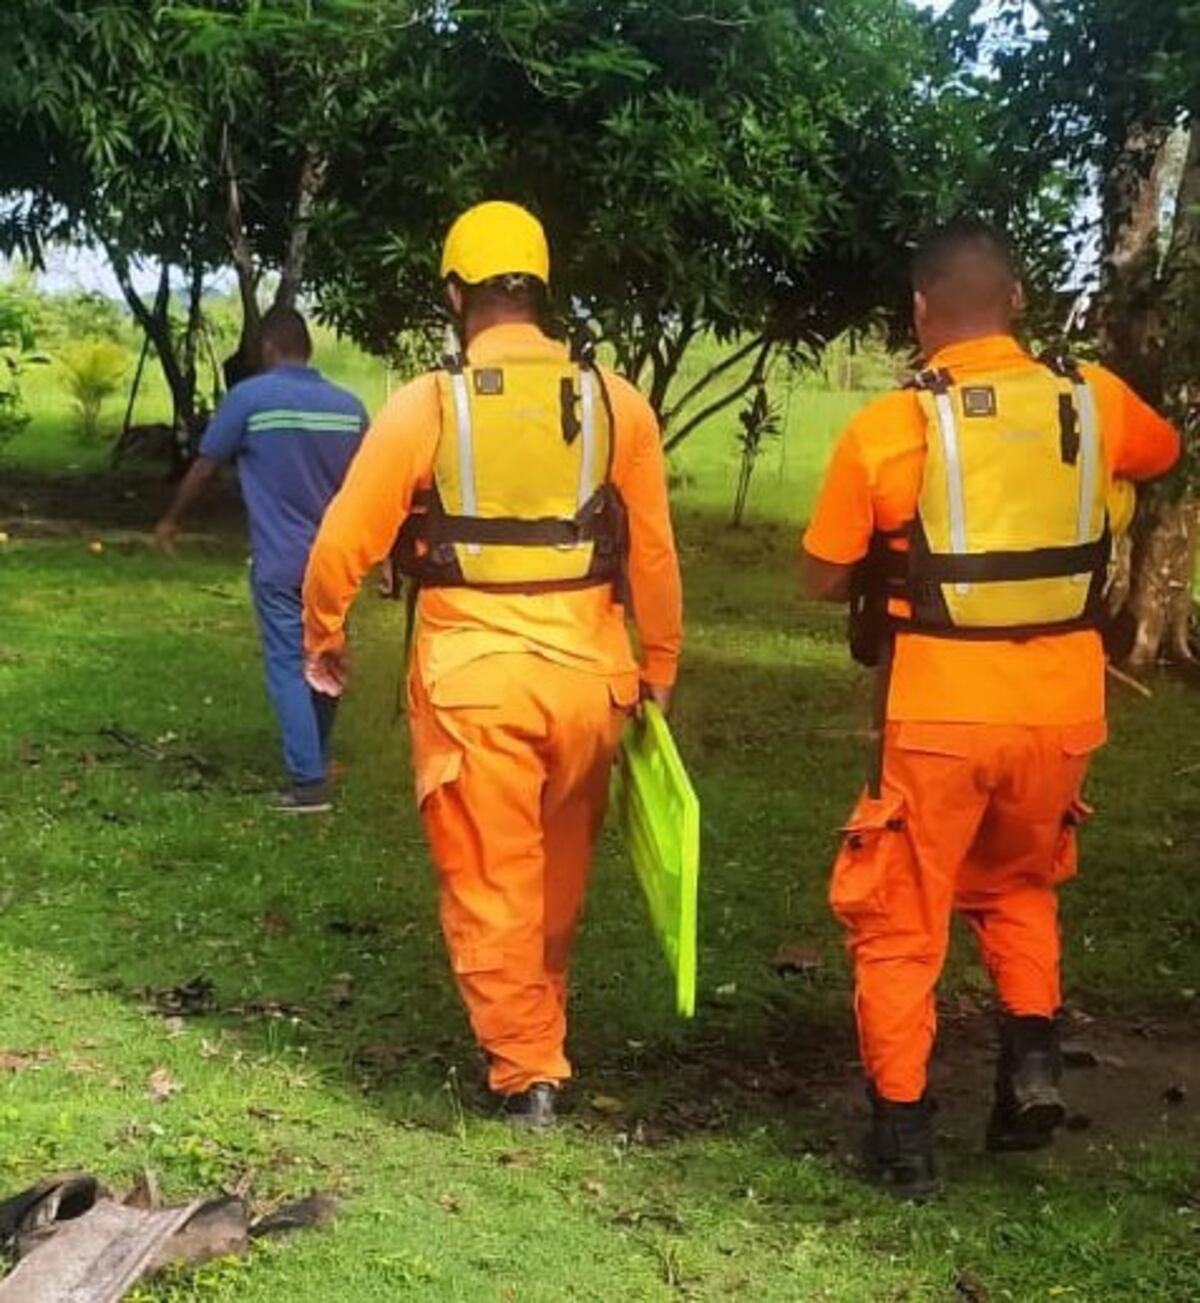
pixel 292 435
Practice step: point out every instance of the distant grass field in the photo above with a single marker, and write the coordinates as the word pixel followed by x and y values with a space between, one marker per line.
pixel 705 465
pixel 702 1161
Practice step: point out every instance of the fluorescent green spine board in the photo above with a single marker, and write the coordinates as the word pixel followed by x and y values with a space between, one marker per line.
pixel 659 816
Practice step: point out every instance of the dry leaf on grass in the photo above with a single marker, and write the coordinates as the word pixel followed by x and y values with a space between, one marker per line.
pixel 22 1060
pixel 791 957
pixel 162 1085
pixel 607 1104
pixel 519 1158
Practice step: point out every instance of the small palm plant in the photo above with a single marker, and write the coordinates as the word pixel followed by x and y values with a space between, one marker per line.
pixel 94 370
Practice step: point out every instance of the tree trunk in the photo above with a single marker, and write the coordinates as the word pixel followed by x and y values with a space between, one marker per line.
pixel 156 322
pixel 247 359
pixel 1163 574
pixel 1143 308
pixel 291 276
pixel 195 322
pixel 1129 316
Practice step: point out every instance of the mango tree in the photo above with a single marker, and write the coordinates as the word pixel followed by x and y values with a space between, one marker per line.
pixel 751 170
pixel 1089 91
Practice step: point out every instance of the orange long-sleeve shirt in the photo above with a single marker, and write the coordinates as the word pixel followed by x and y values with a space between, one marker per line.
pixel 874 481
pixel 584 628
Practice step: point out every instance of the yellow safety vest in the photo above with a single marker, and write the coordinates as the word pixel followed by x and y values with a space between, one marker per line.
pixel 1012 534
pixel 522 498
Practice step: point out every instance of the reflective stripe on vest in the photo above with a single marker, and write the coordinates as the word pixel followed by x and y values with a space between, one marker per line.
pixel 587 403
pixel 1089 463
pixel 466 448
pixel 955 494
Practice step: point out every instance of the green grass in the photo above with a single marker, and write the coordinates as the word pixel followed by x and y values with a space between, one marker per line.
pixel 715 1164
pixel 51 442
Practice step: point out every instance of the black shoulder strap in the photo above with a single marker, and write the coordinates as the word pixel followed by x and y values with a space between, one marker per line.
pixel 932 381
pixel 1064 366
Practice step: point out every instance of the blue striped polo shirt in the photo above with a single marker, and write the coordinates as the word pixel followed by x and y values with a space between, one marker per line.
pixel 292 435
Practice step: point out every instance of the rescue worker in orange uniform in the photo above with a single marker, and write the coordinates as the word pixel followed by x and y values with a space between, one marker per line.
pixel 532 492
pixel 966 517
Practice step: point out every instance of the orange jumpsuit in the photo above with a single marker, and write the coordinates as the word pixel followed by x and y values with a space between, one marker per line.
pixel 516 703
pixel 987 745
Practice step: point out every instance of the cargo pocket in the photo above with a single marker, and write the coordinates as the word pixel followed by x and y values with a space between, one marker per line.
pixel 624 690
pixel 950 740
pixel 434 770
pixel 469 959
pixel 1066 857
pixel 436 756
pixel 875 847
pixel 1079 741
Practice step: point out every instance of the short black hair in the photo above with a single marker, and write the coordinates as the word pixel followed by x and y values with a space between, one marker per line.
pixel 516 292
pixel 288 331
pixel 940 249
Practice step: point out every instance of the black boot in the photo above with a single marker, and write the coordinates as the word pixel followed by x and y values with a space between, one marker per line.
pixel 1028 1107
pixel 898 1149
pixel 532 1109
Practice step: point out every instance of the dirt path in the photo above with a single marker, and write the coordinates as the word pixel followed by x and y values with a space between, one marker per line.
pixel 1127 1082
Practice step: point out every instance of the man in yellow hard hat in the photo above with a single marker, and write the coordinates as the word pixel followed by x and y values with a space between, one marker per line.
pixel 529 493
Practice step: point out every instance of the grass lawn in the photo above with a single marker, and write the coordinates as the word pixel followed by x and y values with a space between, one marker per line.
pixel 708 1160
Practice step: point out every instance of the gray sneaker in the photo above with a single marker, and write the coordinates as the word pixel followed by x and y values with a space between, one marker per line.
pixel 312 798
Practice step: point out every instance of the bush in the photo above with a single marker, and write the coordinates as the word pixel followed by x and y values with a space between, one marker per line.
pixel 16 344
pixel 94 369
pixel 83 314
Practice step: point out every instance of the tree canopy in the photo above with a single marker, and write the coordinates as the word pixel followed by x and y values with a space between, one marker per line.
pixel 1111 106
pixel 749 168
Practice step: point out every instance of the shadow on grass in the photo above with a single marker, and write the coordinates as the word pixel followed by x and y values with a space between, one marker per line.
pixel 153 867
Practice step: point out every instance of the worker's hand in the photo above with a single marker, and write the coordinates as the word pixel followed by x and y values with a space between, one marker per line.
pixel 328 671
pixel 166 534
pixel 658 693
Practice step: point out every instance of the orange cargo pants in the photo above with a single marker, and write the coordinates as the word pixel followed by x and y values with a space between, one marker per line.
pixel 513 755
pixel 978 818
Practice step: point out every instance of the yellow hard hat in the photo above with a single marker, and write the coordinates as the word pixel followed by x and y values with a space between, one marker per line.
pixel 496 239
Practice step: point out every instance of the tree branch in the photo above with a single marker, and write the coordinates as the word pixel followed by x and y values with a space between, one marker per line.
pixel 665 357
pixel 312 177
pixel 156 322
pixel 719 404
pixel 726 364
pixel 240 248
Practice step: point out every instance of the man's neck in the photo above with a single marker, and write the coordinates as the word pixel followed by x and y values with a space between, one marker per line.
pixel 967 334
pixel 484 319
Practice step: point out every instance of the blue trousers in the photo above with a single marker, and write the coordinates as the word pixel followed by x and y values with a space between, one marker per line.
pixel 305 717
